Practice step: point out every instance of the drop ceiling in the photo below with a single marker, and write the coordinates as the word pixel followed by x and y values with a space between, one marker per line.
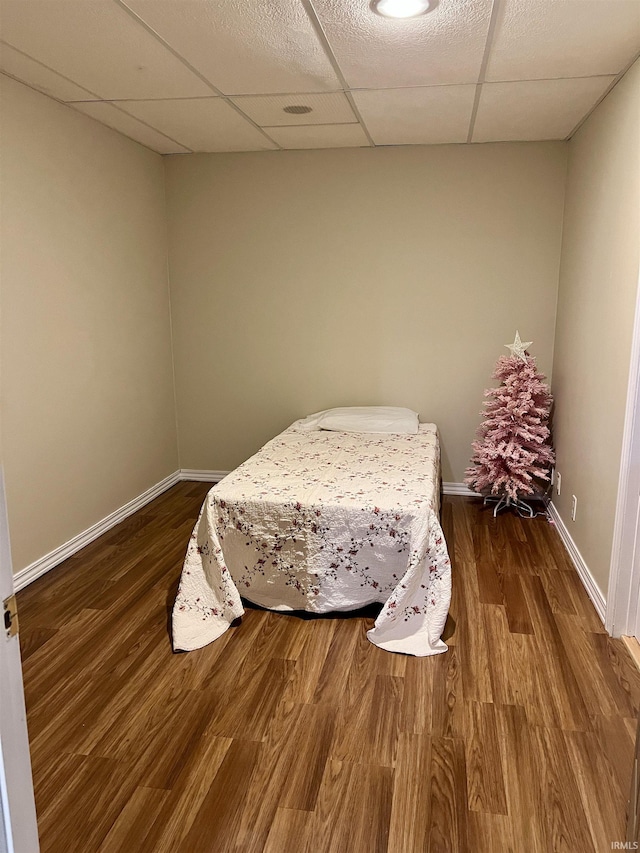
pixel 184 76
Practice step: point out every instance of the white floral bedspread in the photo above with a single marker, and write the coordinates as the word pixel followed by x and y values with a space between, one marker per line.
pixel 323 521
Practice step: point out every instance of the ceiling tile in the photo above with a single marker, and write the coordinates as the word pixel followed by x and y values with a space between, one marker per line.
pixel 268 110
pixel 254 46
pixel 547 38
pixel 420 116
pixel 99 46
pixel 444 46
pixel 535 109
pixel 131 127
pixel 320 136
pixel 202 124
pixel 39 76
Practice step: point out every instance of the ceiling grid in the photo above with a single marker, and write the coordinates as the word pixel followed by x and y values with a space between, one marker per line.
pixel 224 75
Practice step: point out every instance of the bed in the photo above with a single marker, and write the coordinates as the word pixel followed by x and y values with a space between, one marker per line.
pixel 323 521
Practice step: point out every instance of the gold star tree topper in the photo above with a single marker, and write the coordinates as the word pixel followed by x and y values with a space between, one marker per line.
pixel 518 348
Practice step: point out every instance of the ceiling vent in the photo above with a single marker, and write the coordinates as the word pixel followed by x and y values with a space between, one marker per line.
pixel 297 109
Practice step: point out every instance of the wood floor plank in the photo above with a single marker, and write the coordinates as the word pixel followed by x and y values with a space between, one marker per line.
pixel 48 781
pixel 353 810
pixel 505 663
pixel 563 822
pixel 227 669
pixel 485 780
pixel 197 666
pixel 289 831
pixel 293 759
pixel 491 832
pixel 411 806
pixel 417 696
pixel 488 579
pixel 33 638
pixel 119 711
pixel 187 795
pixel 311 745
pixel 264 701
pixel 70 720
pixel 561 682
pixel 448 828
pixel 132 826
pixel 265 786
pixel 522 787
pixel 217 822
pixel 617 742
pixel 515 605
pixel 318 635
pixel 176 736
pixel 367 730
pixel 447 705
pixel 47 604
pixel 518 669
pixel 558 591
pixel 334 674
pixel 87 806
pixel 129 731
pixel 619 671
pixel 90 640
pixel 605 814
pixel 246 712
pixel 599 686
pixel 281 636
pixel 59 658
pixel 495 537
pixel 474 665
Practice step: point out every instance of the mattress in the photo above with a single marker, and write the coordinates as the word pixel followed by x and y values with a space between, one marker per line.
pixel 323 521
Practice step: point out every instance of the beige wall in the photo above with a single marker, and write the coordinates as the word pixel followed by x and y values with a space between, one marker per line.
pixel 87 397
pixel 598 284
pixel 305 280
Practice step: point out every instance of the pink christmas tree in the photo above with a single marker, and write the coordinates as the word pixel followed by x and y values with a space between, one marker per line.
pixel 513 449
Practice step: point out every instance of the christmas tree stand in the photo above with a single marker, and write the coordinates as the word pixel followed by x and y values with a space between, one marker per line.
pixel 506 501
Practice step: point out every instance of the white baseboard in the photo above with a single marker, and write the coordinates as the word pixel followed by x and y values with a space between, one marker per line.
pixel 200 476
pixel 459 489
pixel 593 591
pixel 41 566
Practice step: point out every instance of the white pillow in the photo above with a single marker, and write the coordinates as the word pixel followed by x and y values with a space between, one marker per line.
pixel 387 419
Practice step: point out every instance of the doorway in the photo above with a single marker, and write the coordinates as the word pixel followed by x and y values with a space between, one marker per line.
pixel 623 597
pixel 18 826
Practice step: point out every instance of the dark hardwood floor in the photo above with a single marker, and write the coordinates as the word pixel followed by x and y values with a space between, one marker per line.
pixel 291 734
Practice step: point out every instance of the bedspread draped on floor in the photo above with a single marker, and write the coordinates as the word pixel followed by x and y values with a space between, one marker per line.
pixel 323 521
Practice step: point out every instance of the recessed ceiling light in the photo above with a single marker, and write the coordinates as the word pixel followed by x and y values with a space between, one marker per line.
pixel 297 109
pixel 402 8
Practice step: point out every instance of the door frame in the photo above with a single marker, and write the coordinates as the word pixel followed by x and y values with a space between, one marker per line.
pixel 16 784
pixel 623 613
